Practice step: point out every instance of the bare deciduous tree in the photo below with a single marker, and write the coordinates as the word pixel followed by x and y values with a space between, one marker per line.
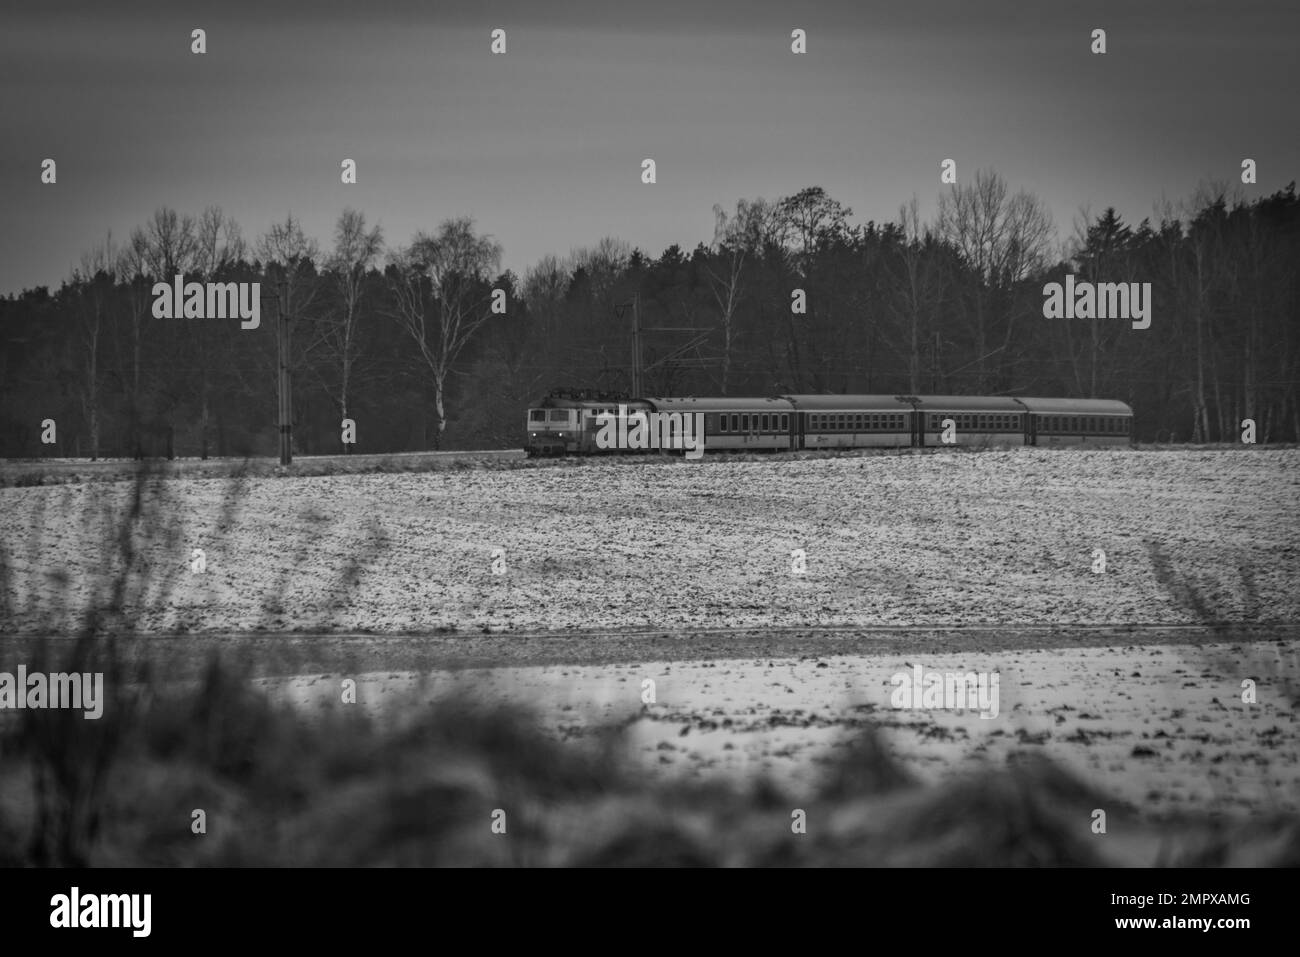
pixel 1002 239
pixel 356 250
pixel 440 286
pixel 736 237
pixel 94 277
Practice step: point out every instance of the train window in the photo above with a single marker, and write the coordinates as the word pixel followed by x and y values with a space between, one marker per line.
pixel 765 423
pixel 722 423
pixel 735 422
pixel 744 422
pixel 536 415
pixel 560 415
pixel 785 421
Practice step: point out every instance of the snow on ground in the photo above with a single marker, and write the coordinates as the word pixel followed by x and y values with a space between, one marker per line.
pixel 940 538
pixel 1163 729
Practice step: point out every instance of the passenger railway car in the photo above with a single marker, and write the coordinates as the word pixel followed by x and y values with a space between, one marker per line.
pixel 1078 422
pixel 852 421
pixel 738 423
pixel 977 420
pixel 568 424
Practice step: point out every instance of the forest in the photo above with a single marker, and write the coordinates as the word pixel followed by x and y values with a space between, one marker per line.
pixel 430 344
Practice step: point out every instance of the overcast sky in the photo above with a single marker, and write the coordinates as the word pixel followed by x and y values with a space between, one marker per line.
pixel 543 145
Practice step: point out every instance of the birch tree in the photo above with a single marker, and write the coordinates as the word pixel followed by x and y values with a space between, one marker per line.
pixel 440 286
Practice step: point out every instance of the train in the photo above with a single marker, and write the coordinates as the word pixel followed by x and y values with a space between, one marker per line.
pixel 568 422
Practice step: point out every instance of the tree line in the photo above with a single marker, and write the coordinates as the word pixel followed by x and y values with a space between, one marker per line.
pixel 432 345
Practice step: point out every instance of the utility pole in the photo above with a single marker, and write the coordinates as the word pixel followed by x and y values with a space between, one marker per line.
pixel 638 366
pixel 934 366
pixel 619 311
pixel 285 385
pixel 636 346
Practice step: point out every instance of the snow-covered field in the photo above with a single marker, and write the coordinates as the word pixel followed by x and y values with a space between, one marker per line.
pixel 942 539
pixel 1163 729
pixel 488 558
